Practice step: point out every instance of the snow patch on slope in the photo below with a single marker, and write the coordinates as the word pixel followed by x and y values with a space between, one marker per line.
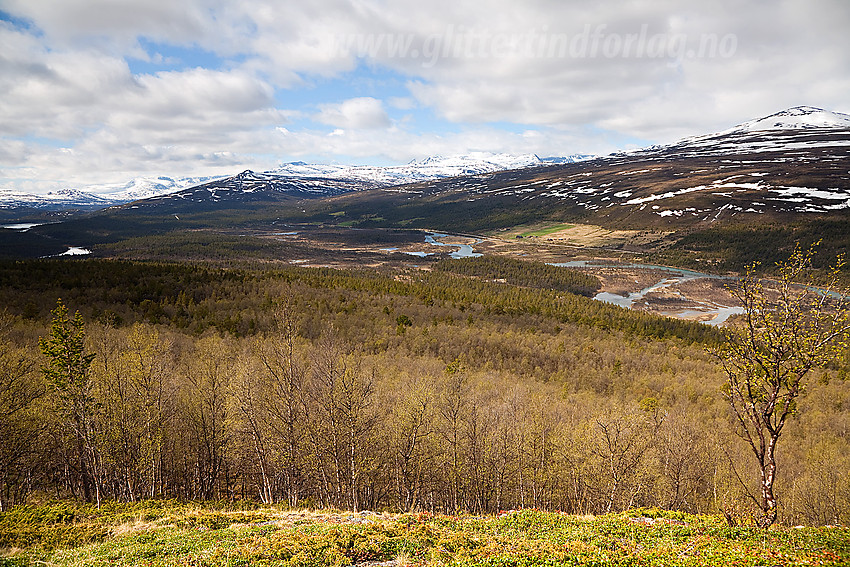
pixel 798 117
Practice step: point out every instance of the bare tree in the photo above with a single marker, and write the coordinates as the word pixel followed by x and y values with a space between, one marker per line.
pixel 409 428
pixel 342 394
pixel 625 437
pixel 452 408
pixel 20 426
pixel 131 373
pixel 279 401
pixel 207 417
pixel 685 461
pixel 790 327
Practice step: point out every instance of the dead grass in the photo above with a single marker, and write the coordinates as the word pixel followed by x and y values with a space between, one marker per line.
pixel 134 526
pixel 585 235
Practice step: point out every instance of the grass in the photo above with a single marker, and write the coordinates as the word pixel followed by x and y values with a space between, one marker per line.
pixel 170 533
pixel 548 230
pixel 357 222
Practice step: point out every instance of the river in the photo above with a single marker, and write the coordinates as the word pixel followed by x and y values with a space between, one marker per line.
pixel 718 314
pixel 463 250
pixel 673 277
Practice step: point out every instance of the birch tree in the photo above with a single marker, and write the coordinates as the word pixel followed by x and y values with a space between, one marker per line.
pixel 790 326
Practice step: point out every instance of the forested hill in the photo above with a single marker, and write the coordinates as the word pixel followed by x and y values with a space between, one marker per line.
pixel 522 273
pixel 436 391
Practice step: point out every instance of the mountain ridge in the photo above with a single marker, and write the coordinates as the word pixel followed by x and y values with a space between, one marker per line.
pixel 334 175
pixel 788 129
pixel 757 170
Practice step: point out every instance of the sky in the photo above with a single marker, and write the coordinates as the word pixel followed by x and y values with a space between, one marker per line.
pixel 104 91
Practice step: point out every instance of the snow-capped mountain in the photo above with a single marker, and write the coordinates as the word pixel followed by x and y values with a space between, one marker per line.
pixel 745 175
pixel 296 178
pixel 798 117
pixel 799 128
pixel 304 180
pixel 430 168
pixel 145 187
pixel 98 196
pixel 249 186
pixel 64 198
pixel 817 141
pixel 793 162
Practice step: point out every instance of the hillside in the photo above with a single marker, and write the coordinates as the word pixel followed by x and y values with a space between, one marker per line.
pixel 467 387
pixel 745 174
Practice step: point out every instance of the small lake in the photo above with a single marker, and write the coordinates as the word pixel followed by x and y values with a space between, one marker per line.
pixel 75 251
pixel 23 226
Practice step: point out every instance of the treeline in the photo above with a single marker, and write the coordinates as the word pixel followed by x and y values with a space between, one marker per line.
pixel 522 273
pixel 384 393
pixel 200 297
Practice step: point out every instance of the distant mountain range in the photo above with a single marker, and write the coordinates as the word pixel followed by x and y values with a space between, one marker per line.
pixel 789 135
pixel 98 196
pixel 436 167
pixel 777 172
pixel 297 178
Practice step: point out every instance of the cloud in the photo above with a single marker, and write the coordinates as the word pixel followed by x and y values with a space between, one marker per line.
pixel 658 71
pixel 578 76
pixel 399 145
pixel 356 113
pixel 80 116
pixel 114 26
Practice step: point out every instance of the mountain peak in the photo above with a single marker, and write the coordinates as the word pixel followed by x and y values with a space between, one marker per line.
pixel 795 118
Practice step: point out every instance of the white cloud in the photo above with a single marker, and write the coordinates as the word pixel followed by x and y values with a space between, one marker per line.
pixel 356 113
pixel 400 145
pixel 114 26
pixel 72 109
pixel 89 119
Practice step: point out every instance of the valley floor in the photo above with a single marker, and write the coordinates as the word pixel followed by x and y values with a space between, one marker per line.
pixel 160 533
pixel 625 279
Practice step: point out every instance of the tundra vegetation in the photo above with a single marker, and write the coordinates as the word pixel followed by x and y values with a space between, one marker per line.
pixel 463 390
pixel 165 533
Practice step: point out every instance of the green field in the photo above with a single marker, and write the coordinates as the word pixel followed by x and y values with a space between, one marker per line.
pixel 160 533
pixel 548 230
